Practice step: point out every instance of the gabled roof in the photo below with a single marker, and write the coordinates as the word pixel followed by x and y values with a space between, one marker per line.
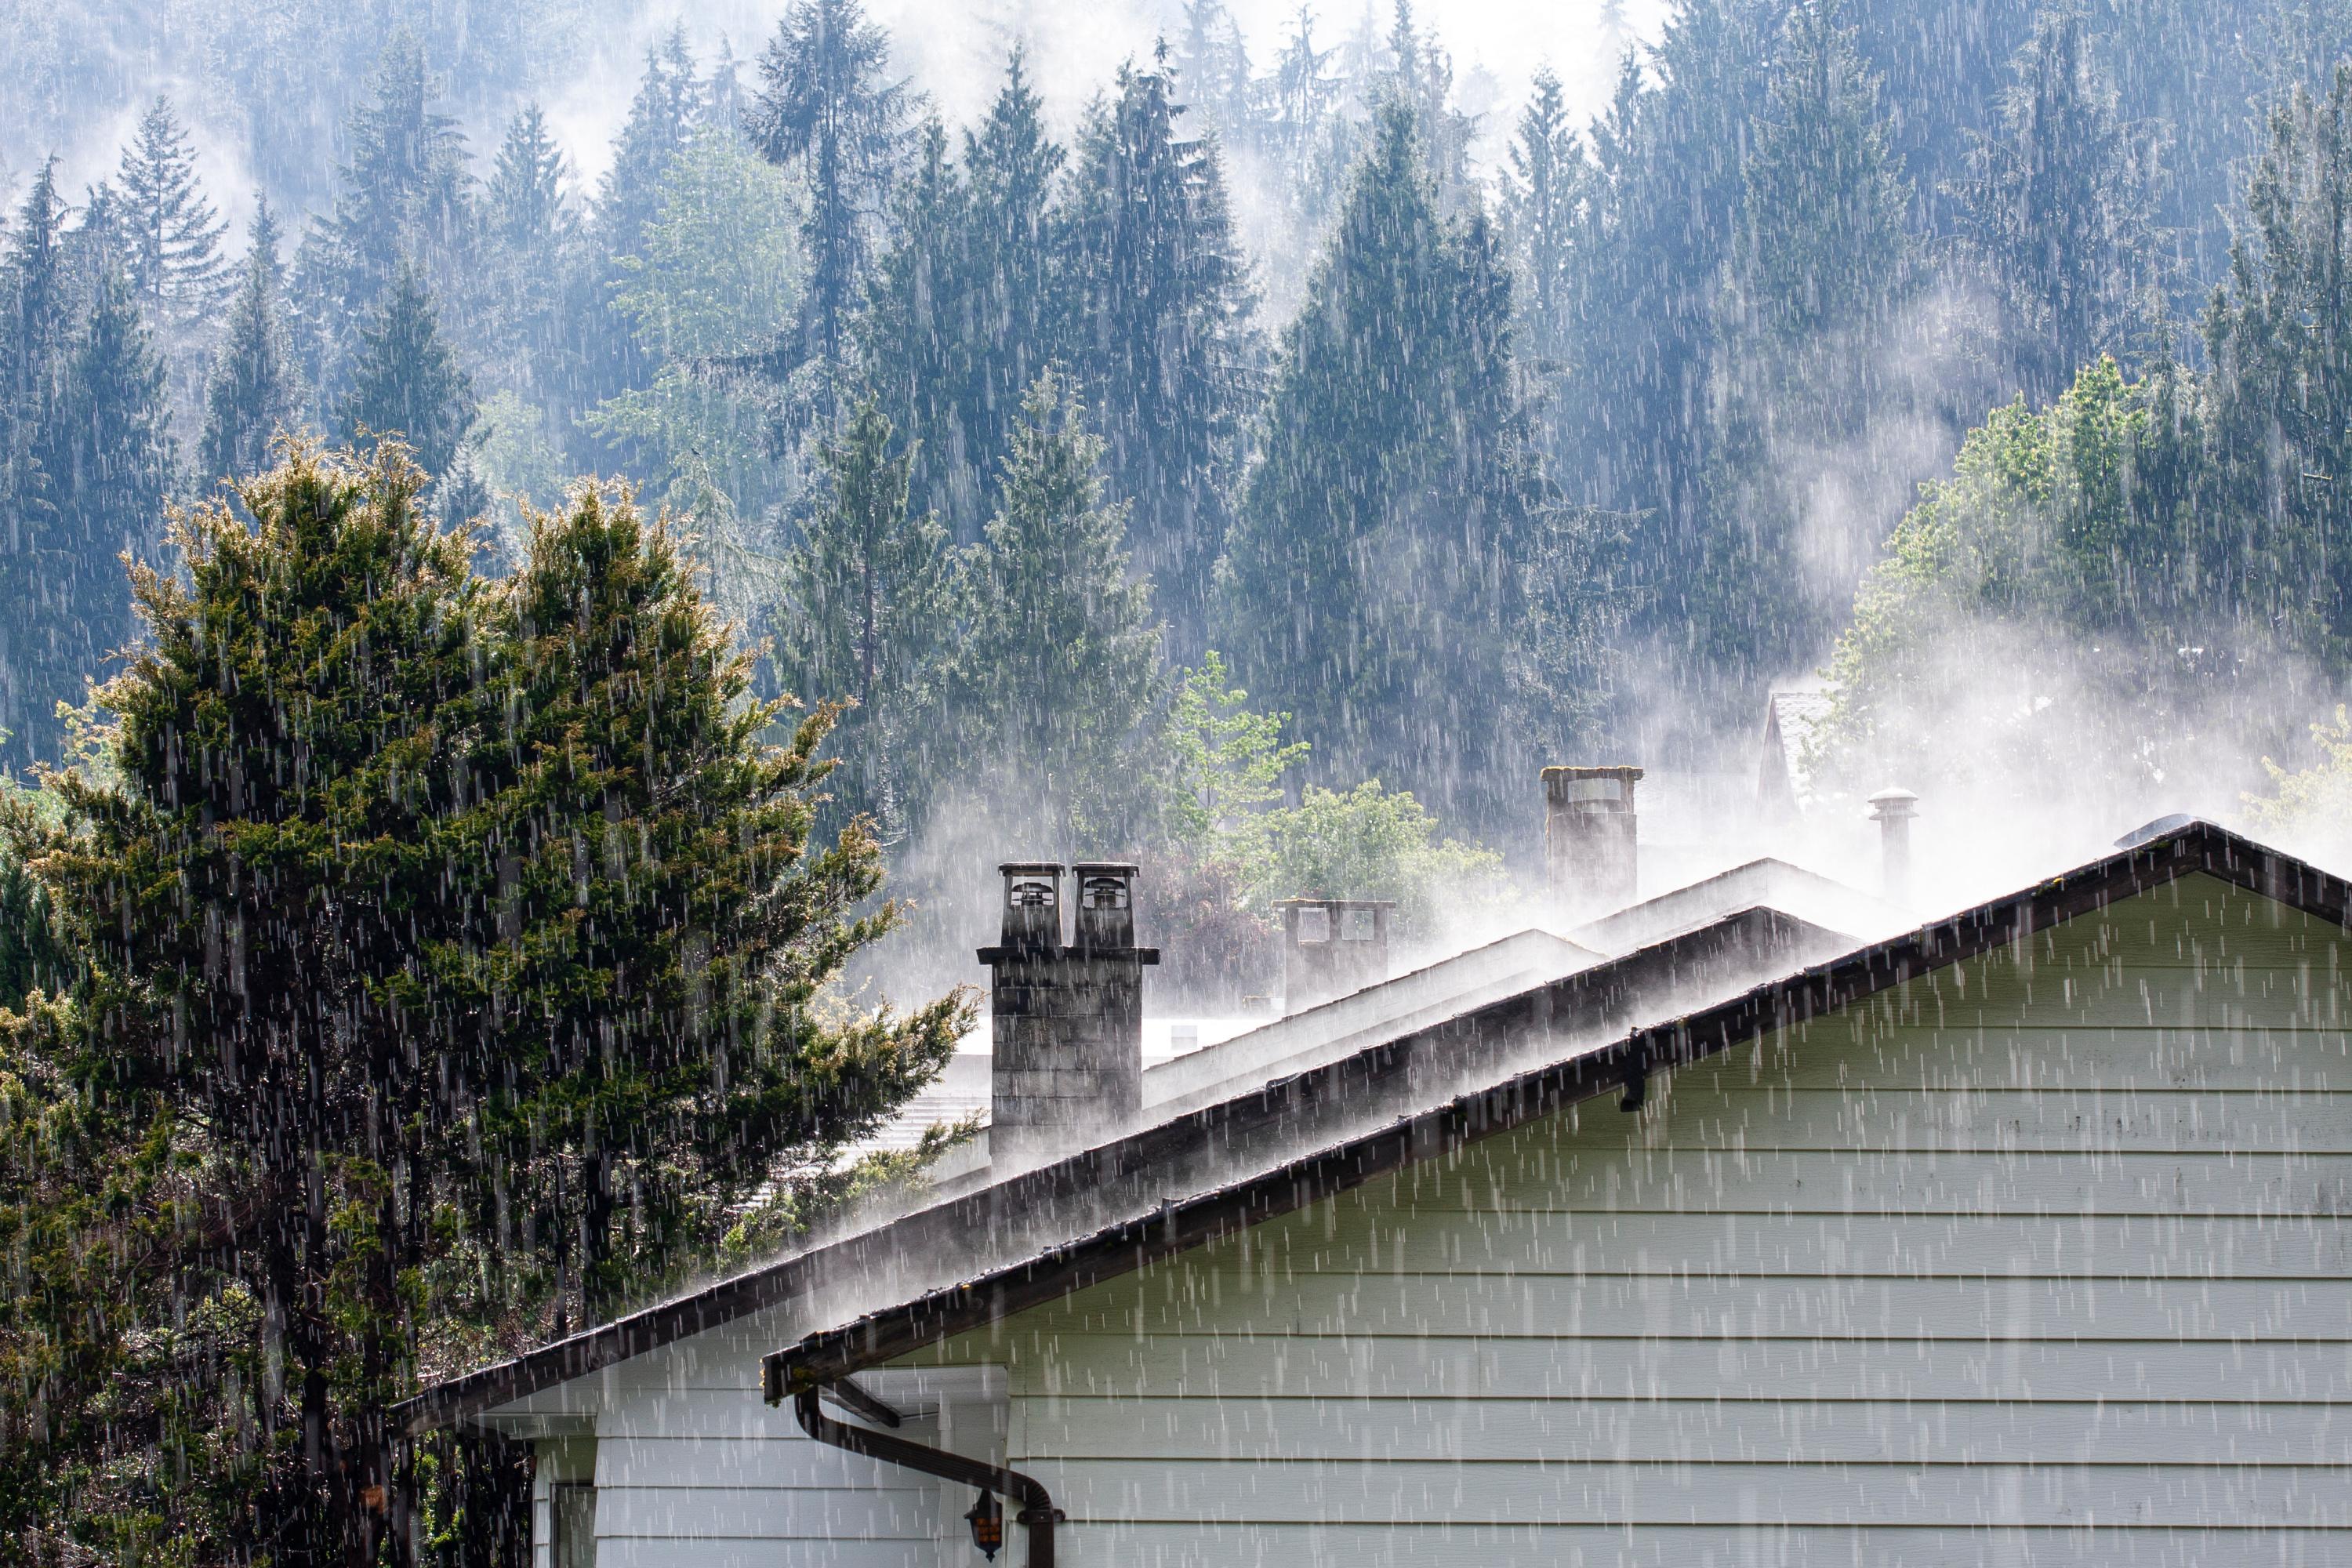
pixel 1483 1111
pixel 1768 882
pixel 965 1235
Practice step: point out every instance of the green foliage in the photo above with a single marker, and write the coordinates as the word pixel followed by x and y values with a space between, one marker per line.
pixel 716 270
pixel 718 274
pixel 2319 797
pixel 1222 767
pixel 2057 549
pixel 656 1000
pixel 1369 842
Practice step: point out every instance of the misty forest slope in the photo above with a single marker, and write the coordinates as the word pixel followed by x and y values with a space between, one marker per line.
pixel 477 630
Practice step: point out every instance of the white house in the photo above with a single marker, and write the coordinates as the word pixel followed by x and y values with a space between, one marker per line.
pixel 2020 1236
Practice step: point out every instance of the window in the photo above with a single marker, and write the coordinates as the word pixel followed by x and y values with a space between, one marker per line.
pixel 1356 925
pixel 1315 925
pixel 572 1514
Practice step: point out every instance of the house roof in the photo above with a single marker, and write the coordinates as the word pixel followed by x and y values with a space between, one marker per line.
pixel 1313 1104
pixel 1483 1111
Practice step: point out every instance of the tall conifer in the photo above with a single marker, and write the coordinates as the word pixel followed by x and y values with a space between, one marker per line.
pixel 1374 561
pixel 173 253
pixel 1060 666
pixel 828 106
pixel 1159 297
pixel 406 380
pixel 256 390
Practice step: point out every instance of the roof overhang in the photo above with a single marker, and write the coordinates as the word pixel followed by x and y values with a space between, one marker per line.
pixel 1035 1213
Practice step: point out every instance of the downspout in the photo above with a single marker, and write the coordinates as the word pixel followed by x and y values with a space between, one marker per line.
pixel 1038 1515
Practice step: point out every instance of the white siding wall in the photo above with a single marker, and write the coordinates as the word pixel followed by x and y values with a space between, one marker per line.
pixel 2043 1260
pixel 692 1468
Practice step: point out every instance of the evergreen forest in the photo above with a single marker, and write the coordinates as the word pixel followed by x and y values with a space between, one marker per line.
pixel 518 651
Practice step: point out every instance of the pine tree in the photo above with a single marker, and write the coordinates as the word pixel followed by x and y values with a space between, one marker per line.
pixel 2055 210
pixel 1632 415
pixel 404 198
pixel 533 256
pixel 871 590
pixel 1819 264
pixel 175 264
pixel 1159 297
pixel 2279 400
pixel 1059 668
pixel 109 456
pixel 660 1032
pixel 827 105
pixel 1544 200
pixel 917 337
pixel 256 390
pixel 1374 556
pixel 33 342
pixel 406 382
pixel 963 312
pixel 662 120
pixel 526 206
pixel 1214 56
pixel 1421 74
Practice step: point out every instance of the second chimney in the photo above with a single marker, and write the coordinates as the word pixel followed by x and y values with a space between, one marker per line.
pixel 1332 948
pixel 1066 1021
pixel 1588 824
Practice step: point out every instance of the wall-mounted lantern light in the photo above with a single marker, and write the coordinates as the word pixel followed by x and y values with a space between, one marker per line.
pixel 987 1521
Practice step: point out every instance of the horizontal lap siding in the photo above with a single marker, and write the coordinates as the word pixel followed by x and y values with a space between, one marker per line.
pixel 712 1477
pixel 1426 1545
pixel 2045 1259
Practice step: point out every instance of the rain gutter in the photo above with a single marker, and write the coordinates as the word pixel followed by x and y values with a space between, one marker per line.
pixel 1038 1515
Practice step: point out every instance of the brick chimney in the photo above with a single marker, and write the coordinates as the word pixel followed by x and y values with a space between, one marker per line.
pixel 1331 947
pixel 1588 822
pixel 1067 1021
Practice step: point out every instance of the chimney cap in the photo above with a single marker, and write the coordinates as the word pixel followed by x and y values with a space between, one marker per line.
pixel 1029 868
pixel 1892 803
pixel 1083 866
pixel 1612 771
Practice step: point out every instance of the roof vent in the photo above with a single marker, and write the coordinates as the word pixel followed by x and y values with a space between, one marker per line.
pixel 1893 810
pixel 2156 829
